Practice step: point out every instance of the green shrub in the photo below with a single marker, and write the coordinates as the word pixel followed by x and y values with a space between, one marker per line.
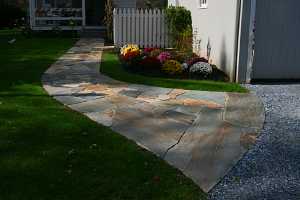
pixel 179 20
pixel 10 15
pixel 108 19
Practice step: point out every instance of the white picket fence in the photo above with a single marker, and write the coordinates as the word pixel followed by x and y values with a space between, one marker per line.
pixel 144 27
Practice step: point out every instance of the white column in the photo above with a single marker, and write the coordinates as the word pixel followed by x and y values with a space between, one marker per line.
pixel 83 13
pixel 30 13
pixel 32 7
pixel 116 28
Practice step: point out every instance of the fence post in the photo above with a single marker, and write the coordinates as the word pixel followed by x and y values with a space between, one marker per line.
pixel 150 30
pixel 166 33
pixel 146 30
pixel 128 25
pixel 115 28
pixel 141 30
pixel 154 41
pixel 137 27
pixel 124 27
pixel 132 25
pixel 159 38
pixel 163 30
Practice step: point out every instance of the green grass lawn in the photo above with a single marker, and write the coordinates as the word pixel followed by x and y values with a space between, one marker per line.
pixel 112 67
pixel 48 152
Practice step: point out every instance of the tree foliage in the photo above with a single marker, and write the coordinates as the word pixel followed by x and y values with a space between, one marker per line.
pixel 108 19
pixel 179 20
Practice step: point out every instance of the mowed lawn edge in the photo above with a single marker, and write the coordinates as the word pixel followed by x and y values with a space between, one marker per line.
pixel 112 67
pixel 50 152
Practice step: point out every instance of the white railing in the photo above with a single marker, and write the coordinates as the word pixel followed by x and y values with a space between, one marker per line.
pixel 144 27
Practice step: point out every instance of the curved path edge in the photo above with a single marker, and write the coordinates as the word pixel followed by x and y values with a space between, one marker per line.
pixel 204 134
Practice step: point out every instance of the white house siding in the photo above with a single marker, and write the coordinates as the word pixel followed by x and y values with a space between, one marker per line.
pixel 125 3
pixel 218 24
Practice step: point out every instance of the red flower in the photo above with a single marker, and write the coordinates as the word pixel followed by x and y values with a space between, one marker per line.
pixel 130 55
pixel 148 50
pixel 150 62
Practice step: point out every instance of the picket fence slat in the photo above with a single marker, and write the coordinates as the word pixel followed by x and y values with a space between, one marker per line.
pixel 144 27
pixel 137 26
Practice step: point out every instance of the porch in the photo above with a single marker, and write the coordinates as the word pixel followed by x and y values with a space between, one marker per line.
pixel 66 14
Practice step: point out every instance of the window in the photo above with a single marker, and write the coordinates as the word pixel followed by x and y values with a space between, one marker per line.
pixel 202 3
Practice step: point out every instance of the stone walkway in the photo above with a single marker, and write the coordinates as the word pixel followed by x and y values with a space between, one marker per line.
pixel 203 134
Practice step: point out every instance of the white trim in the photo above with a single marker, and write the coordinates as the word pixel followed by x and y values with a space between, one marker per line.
pixel 239 25
pixel 30 13
pixel 48 28
pixel 244 54
pixel 83 13
pixel 251 42
pixel 58 18
pixel 32 7
pixel 67 28
pixel 95 27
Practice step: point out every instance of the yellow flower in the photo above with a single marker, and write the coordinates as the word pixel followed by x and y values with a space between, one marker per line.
pixel 129 48
pixel 172 67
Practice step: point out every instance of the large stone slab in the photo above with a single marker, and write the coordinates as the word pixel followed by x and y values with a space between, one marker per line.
pixel 150 91
pixel 244 110
pixel 152 132
pixel 206 122
pixel 69 100
pixel 216 97
pixel 98 105
pixel 104 117
pixel 210 148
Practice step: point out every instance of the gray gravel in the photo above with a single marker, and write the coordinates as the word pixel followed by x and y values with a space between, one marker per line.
pixel 271 169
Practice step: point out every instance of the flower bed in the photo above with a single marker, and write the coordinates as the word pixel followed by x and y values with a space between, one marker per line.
pixel 168 63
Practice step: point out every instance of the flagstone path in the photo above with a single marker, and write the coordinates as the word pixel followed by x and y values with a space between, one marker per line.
pixel 203 134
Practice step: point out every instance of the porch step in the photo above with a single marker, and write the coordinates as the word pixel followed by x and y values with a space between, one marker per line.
pixel 93 33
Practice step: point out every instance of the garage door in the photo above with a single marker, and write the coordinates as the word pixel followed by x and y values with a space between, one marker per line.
pixel 277 40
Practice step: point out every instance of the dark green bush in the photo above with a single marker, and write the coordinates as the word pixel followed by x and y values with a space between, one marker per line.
pixel 10 15
pixel 179 20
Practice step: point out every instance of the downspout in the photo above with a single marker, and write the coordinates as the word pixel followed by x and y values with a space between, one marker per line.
pixel 83 13
pixel 251 42
pixel 240 5
pixel 245 39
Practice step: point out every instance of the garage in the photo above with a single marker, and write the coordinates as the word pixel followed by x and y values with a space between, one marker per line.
pixel 277 42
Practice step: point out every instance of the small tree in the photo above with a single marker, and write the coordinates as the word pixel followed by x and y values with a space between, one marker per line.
pixel 180 25
pixel 155 3
pixel 108 19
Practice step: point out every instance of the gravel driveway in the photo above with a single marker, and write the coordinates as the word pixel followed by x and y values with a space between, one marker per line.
pixel 271 169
